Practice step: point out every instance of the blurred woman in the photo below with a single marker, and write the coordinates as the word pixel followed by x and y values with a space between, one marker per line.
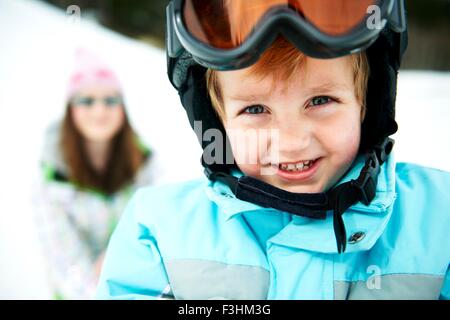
pixel 92 162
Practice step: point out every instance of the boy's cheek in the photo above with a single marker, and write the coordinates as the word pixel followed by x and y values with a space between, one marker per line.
pixel 252 170
pixel 343 148
pixel 249 146
pixel 344 133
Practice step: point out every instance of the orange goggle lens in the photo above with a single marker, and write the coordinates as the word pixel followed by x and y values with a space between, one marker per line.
pixel 226 24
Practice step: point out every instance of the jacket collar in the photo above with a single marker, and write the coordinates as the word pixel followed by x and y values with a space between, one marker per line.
pixel 318 235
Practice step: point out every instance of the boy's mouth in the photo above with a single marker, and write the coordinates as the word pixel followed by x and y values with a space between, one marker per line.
pixel 297 166
pixel 300 171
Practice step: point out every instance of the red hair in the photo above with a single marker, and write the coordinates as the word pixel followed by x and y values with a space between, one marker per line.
pixel 283 60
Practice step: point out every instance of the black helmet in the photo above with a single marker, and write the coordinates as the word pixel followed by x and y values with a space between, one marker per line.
pixel 384 47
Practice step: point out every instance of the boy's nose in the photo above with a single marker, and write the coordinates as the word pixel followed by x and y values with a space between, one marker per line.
pixel 294 137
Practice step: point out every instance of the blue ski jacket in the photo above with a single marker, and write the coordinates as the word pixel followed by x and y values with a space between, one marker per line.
pixel 195 240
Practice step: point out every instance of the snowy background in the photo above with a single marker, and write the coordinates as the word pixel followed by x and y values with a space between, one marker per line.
pixel 37 43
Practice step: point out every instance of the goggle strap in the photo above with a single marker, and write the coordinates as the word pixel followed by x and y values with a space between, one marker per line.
pixel 174 47
pixel 397 21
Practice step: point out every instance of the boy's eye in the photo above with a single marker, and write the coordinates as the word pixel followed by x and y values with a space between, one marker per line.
pixel 256 109
pixel 321 100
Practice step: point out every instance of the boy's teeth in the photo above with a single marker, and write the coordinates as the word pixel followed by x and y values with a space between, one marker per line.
pixel 297 166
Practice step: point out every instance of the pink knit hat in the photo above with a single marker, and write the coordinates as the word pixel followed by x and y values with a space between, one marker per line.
pixel 90 70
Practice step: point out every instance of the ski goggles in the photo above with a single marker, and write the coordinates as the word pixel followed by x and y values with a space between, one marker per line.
pixel 232 34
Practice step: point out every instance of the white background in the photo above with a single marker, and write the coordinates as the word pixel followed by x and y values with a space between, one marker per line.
pixel 36 51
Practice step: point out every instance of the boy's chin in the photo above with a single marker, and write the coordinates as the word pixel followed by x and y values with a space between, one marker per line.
pixel 301 189
pixel 310 187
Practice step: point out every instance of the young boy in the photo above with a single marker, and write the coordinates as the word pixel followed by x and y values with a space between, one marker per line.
pixel 314 205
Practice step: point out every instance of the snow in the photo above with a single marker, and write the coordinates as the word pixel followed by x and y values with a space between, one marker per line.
pixel 36 48
pixel 37 44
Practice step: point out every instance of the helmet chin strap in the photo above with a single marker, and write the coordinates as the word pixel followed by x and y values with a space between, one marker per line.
pixel 314 205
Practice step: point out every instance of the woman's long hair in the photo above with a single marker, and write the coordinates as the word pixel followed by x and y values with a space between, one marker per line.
pixel 124 160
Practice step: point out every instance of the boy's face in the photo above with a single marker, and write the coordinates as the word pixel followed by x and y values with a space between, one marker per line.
pixel 316 115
